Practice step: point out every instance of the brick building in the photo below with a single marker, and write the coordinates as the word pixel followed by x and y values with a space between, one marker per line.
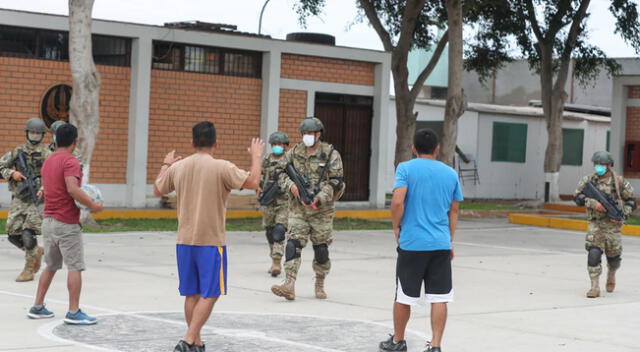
pixel 625 124
pixel 157 81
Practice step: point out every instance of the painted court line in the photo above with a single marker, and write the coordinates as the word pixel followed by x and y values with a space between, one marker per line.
pixel 46 330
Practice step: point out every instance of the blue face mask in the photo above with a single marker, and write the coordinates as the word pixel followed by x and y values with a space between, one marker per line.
pixel 277 150
pixel 600 169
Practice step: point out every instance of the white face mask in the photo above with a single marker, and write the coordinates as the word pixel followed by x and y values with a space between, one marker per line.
pixel 35 137
pixel 309 140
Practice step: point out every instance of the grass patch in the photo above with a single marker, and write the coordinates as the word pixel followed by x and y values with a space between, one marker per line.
pixel 246 224
pixel 634 220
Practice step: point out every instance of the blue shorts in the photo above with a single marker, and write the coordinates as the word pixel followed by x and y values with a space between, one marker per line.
pixel 202 270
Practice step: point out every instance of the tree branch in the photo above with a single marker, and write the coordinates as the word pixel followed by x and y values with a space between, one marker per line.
pixel 569 44
pixel 556 23
pixel 417 85
pixel 409 23
pixel 370 11
pixel 531 12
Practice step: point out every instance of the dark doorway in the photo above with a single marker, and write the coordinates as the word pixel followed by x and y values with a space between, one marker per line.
pixel 347 120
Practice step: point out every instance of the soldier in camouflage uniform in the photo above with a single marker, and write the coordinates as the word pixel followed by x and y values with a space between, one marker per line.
pixel 25 217
pixel 321 165
pixel 275 215
pixel 603 234
pixel 54 126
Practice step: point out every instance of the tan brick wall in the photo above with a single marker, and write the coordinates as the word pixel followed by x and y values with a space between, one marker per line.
pixel 181 99
pixel 632 130
pixel 293 109
pixel 23 82
pixel 634 92
pixel 323 69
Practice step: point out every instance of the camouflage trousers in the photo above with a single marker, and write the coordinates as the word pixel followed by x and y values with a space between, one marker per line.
pixel 605 235
pixel 23 215
pixel 272 215
pixel 307 224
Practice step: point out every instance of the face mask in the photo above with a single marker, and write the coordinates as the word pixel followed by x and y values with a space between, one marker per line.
pixel 277 150
pixel 600 169
pixel 309 140
pixel 34 138
pixel 54 139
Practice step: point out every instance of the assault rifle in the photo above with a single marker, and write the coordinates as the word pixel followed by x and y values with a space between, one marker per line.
pixel 613 210
pixel 271 190
pixel 306 191
pixel 28 187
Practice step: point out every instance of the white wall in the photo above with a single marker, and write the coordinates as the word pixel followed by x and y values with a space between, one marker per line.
pixel 505 180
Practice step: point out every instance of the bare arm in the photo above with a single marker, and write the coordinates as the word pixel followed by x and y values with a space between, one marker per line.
pixel 397 209
pixel 453 218
pixel 169 159
pixel 78 194
pixel 255 150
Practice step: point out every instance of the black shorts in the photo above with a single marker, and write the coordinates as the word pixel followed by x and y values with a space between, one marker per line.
pixel 431 267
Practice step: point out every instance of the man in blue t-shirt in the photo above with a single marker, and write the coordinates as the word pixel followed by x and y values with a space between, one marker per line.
pixel 424 213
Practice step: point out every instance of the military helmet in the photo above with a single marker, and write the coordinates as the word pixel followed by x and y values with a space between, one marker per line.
pixel 278 137
pixel 311 124
pixel 35 125
pixel 602 158
pixel 54 126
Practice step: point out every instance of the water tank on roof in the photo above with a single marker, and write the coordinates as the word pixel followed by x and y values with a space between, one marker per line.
pixel 315 38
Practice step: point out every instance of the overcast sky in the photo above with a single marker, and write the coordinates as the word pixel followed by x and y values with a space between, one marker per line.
pixel 280 19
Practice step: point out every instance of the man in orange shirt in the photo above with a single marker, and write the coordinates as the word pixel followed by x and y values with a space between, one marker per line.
pixel 202 184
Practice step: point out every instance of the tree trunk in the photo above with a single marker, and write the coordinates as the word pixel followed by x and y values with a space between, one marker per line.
pixel 455 98
pixel 84 110
pixel 553 100
pixel 405 118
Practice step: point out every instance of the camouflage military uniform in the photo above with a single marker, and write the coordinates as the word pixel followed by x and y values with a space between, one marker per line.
pixel 278 211
pixel 304 222
pixel 602 233
pixel 23 213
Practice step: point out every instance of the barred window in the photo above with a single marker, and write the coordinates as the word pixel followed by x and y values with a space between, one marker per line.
pixel 204 59
pixel 54 45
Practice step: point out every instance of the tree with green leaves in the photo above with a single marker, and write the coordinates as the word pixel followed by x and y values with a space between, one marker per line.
pixel 403 26
pixel 549 34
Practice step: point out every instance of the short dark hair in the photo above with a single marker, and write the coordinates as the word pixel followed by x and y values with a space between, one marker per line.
pixel 204 134
pixel 66 134
pixel 425 141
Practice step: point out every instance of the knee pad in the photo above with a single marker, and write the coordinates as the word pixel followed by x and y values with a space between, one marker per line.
pixel 293 250
pixel 614 262
pixel 278 233
pixel 269 233
pixel 321 253
pixel 29 239
pixel 594 257
pixel 16 240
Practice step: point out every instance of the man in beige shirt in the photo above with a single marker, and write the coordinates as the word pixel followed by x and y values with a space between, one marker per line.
pixel 202 184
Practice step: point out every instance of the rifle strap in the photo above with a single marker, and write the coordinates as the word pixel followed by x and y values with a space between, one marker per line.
pixel 616 181
pixel 326 166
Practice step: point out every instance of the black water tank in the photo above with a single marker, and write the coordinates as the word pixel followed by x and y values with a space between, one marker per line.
pixel 316 38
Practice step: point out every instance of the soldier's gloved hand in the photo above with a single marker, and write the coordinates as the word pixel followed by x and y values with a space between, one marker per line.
pixel 600 208
pixel 17 176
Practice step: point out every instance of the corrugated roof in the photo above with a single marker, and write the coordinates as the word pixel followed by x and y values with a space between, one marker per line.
pixel 527 111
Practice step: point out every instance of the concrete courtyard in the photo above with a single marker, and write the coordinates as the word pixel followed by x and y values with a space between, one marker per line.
pixel 517 289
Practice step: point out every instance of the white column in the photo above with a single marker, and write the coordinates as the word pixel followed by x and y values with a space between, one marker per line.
pixel 270 93
pixel 141 52
pixel 380 135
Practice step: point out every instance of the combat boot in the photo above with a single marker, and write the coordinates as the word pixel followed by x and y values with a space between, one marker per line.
pixel 320 294
pixel 611 280
pixel 595 287
pixel 276 268
pixel 287 289
pixel 27 272
pixel 38 263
